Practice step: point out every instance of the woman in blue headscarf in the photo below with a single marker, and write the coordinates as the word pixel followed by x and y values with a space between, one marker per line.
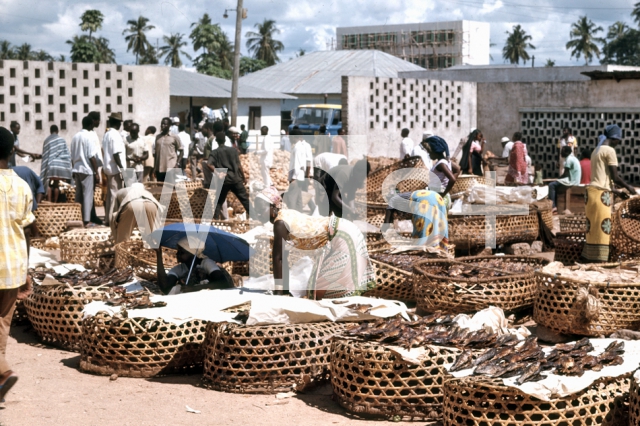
pixel 446 171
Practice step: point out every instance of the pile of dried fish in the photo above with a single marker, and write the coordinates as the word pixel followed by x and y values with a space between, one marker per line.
pixel 118 296
pixel 404 262
pixel 628 273
pixel 482 269
pixel 527 360
pixel 87 278
pixel 435 329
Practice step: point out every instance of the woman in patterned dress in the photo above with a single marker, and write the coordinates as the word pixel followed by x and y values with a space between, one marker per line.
pixel 342 267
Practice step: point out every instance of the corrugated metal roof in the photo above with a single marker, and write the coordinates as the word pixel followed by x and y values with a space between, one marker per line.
pixel 187 83
pixel 321 72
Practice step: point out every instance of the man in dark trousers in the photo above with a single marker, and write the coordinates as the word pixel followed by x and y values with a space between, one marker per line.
pixel 226 157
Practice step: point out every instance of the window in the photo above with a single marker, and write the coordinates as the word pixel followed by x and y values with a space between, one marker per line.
pixel 1 81
pixel 74 116
pixel 86 108
pixel 50 100
pixel 50 66
pixel 108 75
pixel 12 90
pixel 119 100
pixel 108 108
pixel 97 67
pixel 74 100
pixel 1 99
pixel 130 91
pixel 38 108
pixel 26 99
pixel 27 117
pixel 119 68
pixel 63 125
pixel 12 108
pixel 97 83
pixel 62 91
pixel 38 124
pixel 108 91
pixel 50 82
pixel 63 108
pixel 61 74
pixel 85 74
pixel 1 115
pixel 130 76
pixel 12 72
pixel 37 72
pixel 119 84
pixel 130 108
pixel 85 91
pixel 37 90
pixel 74 67
pixel 74 82
pixel 255 114
pixel 97 100
pixel 25 81
pixel 51 116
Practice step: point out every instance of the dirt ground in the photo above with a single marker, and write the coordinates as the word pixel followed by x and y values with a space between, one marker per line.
pixel 52 391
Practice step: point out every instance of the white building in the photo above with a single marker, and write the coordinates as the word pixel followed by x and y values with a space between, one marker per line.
pixel 432 45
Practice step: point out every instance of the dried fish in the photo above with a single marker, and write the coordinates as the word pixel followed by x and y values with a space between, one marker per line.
pixel 464 361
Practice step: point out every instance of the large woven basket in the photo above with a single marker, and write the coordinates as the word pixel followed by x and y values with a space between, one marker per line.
pixel 173 209
pixel 484 401
pixel 98 196
pixel 367 378
pixel 267 359
pixel 375 212
pixel 262 259
pixel 568 247
pixel 86 246
pixel 139 347
pixel 55 312
pixel 555 305
pixel 143 261
pixel 417 178
pixel 573 223
pixel 625 235
pixel 52 218
pixel 466 182
pixel 634 403
pixel 436 292
pixel 468 232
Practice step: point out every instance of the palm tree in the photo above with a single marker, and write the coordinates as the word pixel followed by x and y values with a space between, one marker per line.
pixel 583 40
pixel 106 55
pixel 205 34
pixel 550 63
pixel 516 46
pixel 150 56
pixel 173 49
pixel 61 58
pixel 91 20
pixel 41 55
pixel 636 13
pixel 137 38
pixel 224 52
pixel 262 45
pixel 617 30
pixel 6 51
pixel 23 52
pixel 300 52
pixel 83 50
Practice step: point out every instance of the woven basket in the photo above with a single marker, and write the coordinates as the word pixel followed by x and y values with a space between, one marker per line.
pixel 55 312
pixel 375 212
pixel 143 261
pixel 573 223
pixel 235 204
pixel 484 401
pixel 625 235
pixel 468 232
pixel 367 378
pixel 267 359
pixel 375 179
pixel 456 295
pixel 52 218
pixel 568 247
pixel 555 306
pixel 86 246
pixel 139 347
pixel 98 196
pixel 262 259
pixel 173 210
pixel 465 182
pixel 634 403
pixel 38 243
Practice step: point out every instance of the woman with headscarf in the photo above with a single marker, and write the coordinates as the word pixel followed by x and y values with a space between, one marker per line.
pixel 599 197
pixel 471 161
pixel 56 164
pixel 194 271
pixel 343 267
pixel 446 171
pixel 517 173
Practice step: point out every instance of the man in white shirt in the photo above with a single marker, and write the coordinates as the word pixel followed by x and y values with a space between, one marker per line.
pixel 300 170
pixel 265 151
pixel 84 167
pixel 185 141
pixel 406 145
pixel 173 130
pixel 507 144
pixel 419 151
pixel 327 161
pixel 114 154
pixel 137 151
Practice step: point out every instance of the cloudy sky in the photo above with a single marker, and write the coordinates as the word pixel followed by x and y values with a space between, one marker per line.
pixel 306 24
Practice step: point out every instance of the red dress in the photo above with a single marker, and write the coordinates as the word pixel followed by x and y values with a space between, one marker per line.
pixel 585 165
pixel 517 165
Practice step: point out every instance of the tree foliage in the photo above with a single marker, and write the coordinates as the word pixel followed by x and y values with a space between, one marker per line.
pixel 262 45
pixel 150 56
pixel 515 48
pixel 91 20
pixel 249 65
pixel 636 13
pixel 137 37
pixel 6 51
pixel 623 50
pixel 550 63
pixel 23 52
pixel 83 49
pixel 172 50
pixel 583 39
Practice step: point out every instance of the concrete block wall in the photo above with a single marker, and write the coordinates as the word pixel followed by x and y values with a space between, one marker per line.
pixel 379 108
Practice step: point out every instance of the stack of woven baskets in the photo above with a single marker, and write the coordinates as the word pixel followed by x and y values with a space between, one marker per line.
pixel 52 218
pixel 89 247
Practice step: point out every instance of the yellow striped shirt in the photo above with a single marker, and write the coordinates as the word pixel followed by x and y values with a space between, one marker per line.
pixel 15 214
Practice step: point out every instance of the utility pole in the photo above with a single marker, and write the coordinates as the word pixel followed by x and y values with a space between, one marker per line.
pixel 240 13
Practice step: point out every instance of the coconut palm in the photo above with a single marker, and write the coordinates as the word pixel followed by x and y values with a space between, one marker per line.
pixel 205 35
pixel 23 52
pixel 41 55
pixel 173 49
pixel 91 20
pixel 106 55
pixel 636 13
pixel 583 40
pixel 150 56
pixel 515 48
pixel 61 58
pixel 550 63
pixel 617 30
pixel 262 45
pixel 137 38
pixel 300 52
pixel 83 50
pixel 6 51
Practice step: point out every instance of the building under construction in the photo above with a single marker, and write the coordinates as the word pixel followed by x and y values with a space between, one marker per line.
pixel 431 45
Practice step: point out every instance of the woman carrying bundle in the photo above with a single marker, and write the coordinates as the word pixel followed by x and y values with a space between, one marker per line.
pixel 343 267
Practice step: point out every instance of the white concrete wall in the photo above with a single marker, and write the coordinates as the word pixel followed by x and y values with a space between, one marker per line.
pixel 475 45
pixel 378 108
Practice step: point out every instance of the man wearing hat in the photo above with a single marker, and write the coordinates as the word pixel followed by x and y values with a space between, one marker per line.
pixel 114 154
pixel 507 144
pixel 420 150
